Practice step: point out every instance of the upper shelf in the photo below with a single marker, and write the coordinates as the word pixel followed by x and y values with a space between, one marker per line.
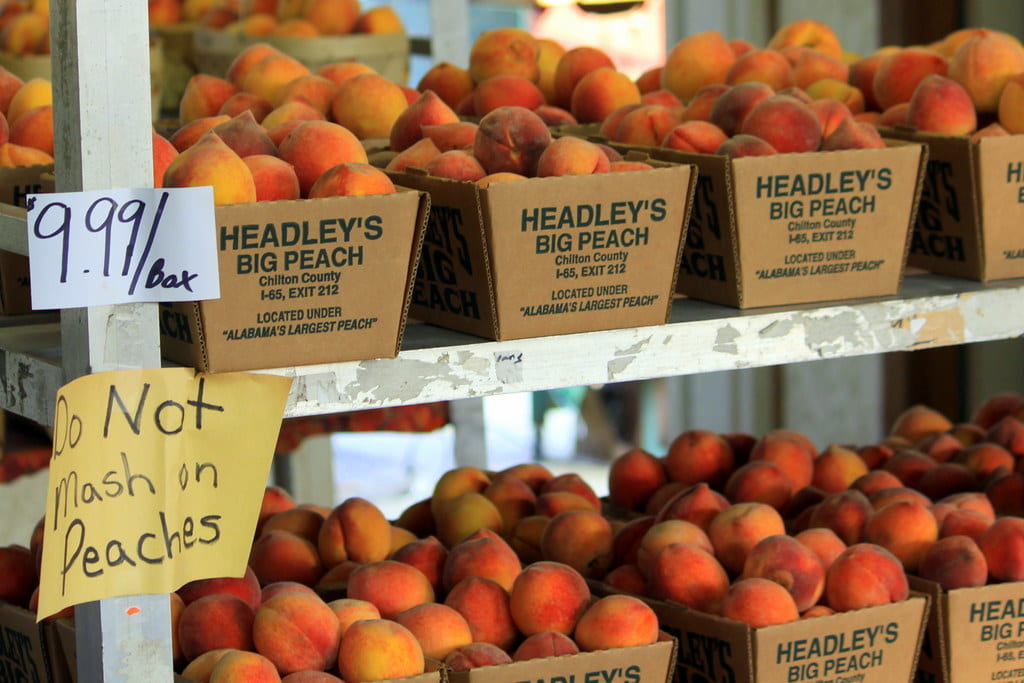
pixel 437 364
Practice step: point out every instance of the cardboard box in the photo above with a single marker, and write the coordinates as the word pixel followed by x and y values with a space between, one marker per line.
pixel 972 206
pixel 640 664
pixel 799 228
pixel 545 256
pixel 16 183
pixel 388 53
pixel 973 634
pixel 873 645
pixel 23 657
pixel 61 646
pixel 303 282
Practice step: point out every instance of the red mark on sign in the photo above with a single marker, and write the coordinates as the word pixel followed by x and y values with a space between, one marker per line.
pixel 132 611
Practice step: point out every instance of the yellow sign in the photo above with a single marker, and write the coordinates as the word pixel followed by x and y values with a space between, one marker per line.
pixel 156 480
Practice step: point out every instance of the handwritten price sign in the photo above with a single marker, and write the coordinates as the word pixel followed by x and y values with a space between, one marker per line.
pixel 120 246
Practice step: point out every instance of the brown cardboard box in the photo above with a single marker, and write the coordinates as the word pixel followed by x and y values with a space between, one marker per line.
pixel 640 664
pixel 16 183
pixel 303 282
pixel 545 256
pixel 59 636
pixel 798 228
pixel 973 634
pixel 873 645
pixel 388 53
pixel 972 206
pixel 23 656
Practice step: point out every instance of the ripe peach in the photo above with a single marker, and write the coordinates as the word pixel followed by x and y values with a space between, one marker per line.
pixel 315 146
pixel 243 101
pixel 244 135
pixel 1003 547
pixel 807 33
pixel 836 468
pixel 824 543
pixel 880 499
pixel 812 66
pixel 274 178
pixel 246 587
pixel 549 53
pixel 818 611
pixel 758 602
pixel 349 611
pixel 983 64
pixel 297 631
pixel 696 61
pixel 200 668
pixel 601 92
pixel 572 67
pixel 354 530
pixel 633 477
pixel 700 105
pixel 237 665
pixel 314 90
pixel 485 606
pixel 416 155
pixel 428 109
pixel 759 481
pixel 571 156
pixel 831 113
pixel 548 596
pixel 1006 491
pixel 511 139
pixel 844 512
pixel 899 74
pixel 543 645
pixel 945 479
pixel 646 125
pixel 741 145
pixel 1008 433
pixel 555 502
pixel 25 33
pixel 331 17
pixel 764 66
pixel 941 105
pixel 688 575
pixel 627 578
pixel 665 98
pixel 909 466
pixel 862 75
pixel 448 136
pixel 484 554
pixel 391 586
pixel 616 621
pixel 450 83
pixel 627 539
pixel 865 575
pixel 733 106
pixel 456 164
pixel 511 51
pixel 699 455
pixel 791 564
pixel 438 628
pixel 985 458
pixel 905 528
pixel 791 451
pixel 665 533
pixel 698 503
pixel 694 136
pixel 203 96
pixel 368 105
pixel 955 562
pixel 476 655
pixel 581 539
pixel 426 554
pixel 18 576
pixel 876 480
pixel 785 123
pixel 505 91
pixel 293 110
pixel 963 522
pixel 211 162
pixel 267 77
pixel 12 154
pixel 380 19
pixel 283 556
pixel 533 473
pixel 738 528
pixel 351 180
pixel 513 497
pixel 376 649
pixel 311 677
pixel 459 517
pixel 213 622
pixel 918 421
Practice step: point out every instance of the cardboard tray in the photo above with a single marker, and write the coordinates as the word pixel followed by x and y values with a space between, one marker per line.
pixel 23 651
pixel 336 287
pixel 973 634
pixel 641 664
pixel 15 185
pixel 388 53
pixel 547 256
pixel 972 206
pixel 799 228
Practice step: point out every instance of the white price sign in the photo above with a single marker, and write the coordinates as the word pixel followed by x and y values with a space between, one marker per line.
pixel 120 246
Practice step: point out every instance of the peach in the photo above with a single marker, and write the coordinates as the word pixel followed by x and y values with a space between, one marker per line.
pixel 665 533
pixel 426 554
pixel 511 139
pixel 200 668
pixel 428 109
pixel 555 116
pixel 818 611
pixel 768 67
pixel 940 447
pixel 214 622
pixel 211 162
pixel 875 455
pixel 696 61
pixel 1006 491
pixel 698 503
pixel 476 655
pixel 572 67
pixel 941 105
pixel 737 529
pixel 694 136
pixel 812 66
pixel 954 562
pixel 800 505
pixel 354 530
pixel 700 105
pixel 664 494
pixel 633 477
pixel 311 677
pixel 844 512
pixel 627 539
pixel 336 578
pixel 865 575
pixel 1011 101
pixel 906 529
pixel 688 575
pixel 246 587
pixel 1008 433
pixel 616 621
pixel 274 178
pixel 449 82
pixel 483 554
pixel 609 127
pixel 297 631
pixel 551 504
pixel 985 457
pixel 533 473
pixel 204 95
pixel 283 556
pixel 741 145
pixel 627 578
pixel 1003 547
pixel 380 19
pixel 831 113
pixel 759 482
pixel 571 156
pixel 177 606
pixel 899 74
pixel 663 97
pixel 601 92
pixel 376 649
pixel 485 606
pixel 368 105
pixel 277 587
pixel 581 539
pixel 983 64
pixel 275 499
pixel 438 628
pixel 19 155
pixel 646 125
pixel 295 28
pixel 331 17
pixel 1000 404
pixel 909 466
pixel 268 77
pixel 501 51
pixel 807 33
pixel 458 517
pixel 791 564
pixel 18 576
pixel 244 135
pixel 840 91
pixel 391 586
pixel 876 480
pixel 35 92
pixel 255 25
pixel 294 110
pixel 448 136
pixel 785 123
pixel 416 155
pixel 880 499
pixel 963 522
pixel 824 543
pixel 399 538
pixel 895 115
pixel 836 468
pixel 314 90
pixel 299 521
pixel 237 665
pixel 455 164
pixel 945 479
pixel 791 451
pixel 33 129
pixel 862 76
pixel 548 596
pixel 9 86
pixel 349 611
pixel 758 602
pixel 243 101
pixel 351 180
pixel 918 421
pixel 339 72
pixel 505 91
pixel 733 106
pixel 315 146
pixel 543 645
pixel 699 455
pixel 25 33
pixel 512 496
pixel 549 53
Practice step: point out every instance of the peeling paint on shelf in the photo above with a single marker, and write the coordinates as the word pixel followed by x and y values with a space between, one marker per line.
pixel 725 340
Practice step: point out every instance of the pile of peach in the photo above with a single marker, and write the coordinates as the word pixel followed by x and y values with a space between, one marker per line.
pixel 25 27
pixel 939 500
pixel 26 121
pixel 262 132
pixel 291 18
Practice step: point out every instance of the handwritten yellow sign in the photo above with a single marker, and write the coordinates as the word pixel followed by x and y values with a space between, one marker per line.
pixel 156 480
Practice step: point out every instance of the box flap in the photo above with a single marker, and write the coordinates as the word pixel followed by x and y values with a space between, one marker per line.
pixel 22 653
pixel 986 632
pixel 933 657
pixel 999 163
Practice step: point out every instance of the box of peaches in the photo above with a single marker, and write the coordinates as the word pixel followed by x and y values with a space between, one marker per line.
pixel 316 247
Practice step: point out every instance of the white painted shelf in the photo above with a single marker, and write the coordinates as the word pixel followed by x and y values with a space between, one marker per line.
pixel 437 364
